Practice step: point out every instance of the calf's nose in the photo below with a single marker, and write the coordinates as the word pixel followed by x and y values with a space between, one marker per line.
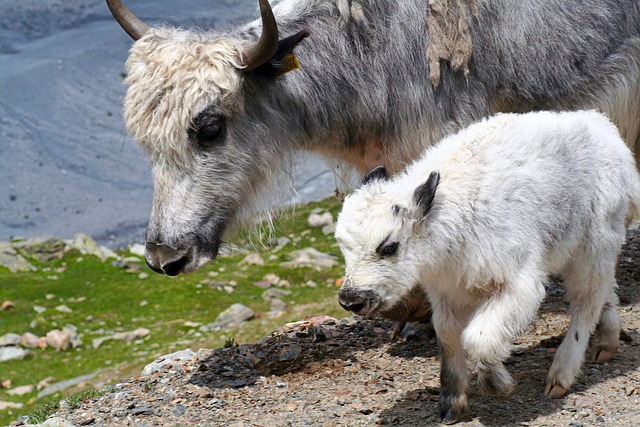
pixel 351 301
pixel 165 259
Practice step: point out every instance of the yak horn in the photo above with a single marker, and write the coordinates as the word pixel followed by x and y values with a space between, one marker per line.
pixel 264 49
pixel 135 27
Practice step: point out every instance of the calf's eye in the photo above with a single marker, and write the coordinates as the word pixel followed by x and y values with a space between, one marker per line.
pixel 389 249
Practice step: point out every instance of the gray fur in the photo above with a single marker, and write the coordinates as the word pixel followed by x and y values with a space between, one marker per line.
pixel 363 96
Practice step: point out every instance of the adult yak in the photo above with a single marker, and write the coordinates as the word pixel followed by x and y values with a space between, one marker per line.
pixel 219 114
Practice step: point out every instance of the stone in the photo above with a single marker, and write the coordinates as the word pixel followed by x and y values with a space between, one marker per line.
pixel 21 390
pixel 59 339
pixel 122 336
pixel 62 385
pixel 41 248
pixel 73 335
pixel 137 249
pixel 9 339
pixel 310 257
pixel 64 309
pixel 87 246
pixel 320 220
pixel 253 259
pixel 232 317
pixel 7 305
pixel 10 259
pixel 39 309
pixel 29 340
pixel 12 353
pixel 329 229
pixel 175 359
pixel 9 405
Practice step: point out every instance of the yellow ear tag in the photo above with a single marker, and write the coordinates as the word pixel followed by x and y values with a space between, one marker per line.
pixel 289 63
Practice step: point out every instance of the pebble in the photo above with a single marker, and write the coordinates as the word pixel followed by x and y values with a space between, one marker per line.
pixel 12 353
pixel 9 339
pixel 320 220
pixel 21 391
pixel 143 410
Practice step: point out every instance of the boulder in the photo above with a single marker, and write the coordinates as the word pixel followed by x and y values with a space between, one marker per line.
pixel 9 339
pixel 12 353
pixel 40 248
pixel 230 318
pixel 10 259
pixel 59 339
pixel 87 246
pixel 29 340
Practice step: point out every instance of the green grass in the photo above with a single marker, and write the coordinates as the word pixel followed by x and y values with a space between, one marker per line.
pixel 105 298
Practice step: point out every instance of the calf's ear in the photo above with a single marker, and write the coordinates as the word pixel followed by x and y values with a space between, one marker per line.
pixel 423 195
pixel 375 174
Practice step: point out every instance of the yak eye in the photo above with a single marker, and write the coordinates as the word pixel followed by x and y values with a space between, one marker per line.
pixel 388 250
pixel 207 127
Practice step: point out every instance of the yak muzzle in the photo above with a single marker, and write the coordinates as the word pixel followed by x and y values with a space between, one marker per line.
pixel 357 301
pixel 165 259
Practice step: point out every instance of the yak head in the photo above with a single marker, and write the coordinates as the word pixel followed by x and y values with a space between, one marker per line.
pixel 185 105
pixel 381 233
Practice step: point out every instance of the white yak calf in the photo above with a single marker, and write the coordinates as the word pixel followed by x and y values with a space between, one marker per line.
pixel 478 223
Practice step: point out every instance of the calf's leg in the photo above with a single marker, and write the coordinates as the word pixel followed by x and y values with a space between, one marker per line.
pixel 453 368
pixel 502 316
pixel 590 285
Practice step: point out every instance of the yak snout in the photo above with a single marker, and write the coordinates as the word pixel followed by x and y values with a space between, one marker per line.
pixel 165 259
pixel 356 301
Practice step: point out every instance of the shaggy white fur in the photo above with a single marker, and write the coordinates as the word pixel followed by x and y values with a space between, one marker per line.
pixel 519 197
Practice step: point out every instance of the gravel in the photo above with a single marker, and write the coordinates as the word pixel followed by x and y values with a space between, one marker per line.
pixel 350 372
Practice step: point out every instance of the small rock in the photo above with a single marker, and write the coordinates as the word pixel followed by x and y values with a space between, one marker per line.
pixel 176 359
pixel 63 309
pixel 45 383
pixel 21 391
pixel 232 317
pixel 143 276
pixel 277 305
pixel 320 220
pixel 29 340
pixel 143 410
pixel 9 405
pixel 9 339
pixel 310 257
pixel 59 339
pixel 12 353
pixel 6 305
pixel 253 259
pixel 39 309
pixel 137 249
pixel 329 229
pixel 86 245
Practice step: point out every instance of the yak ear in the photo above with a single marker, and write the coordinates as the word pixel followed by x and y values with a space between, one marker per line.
pixel 425 193
pixel 284 60
pixel 379 173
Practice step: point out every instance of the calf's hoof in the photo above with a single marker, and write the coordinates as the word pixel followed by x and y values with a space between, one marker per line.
pixel 452 408
pixel 602 355
pixel 449 418
pixel 555 391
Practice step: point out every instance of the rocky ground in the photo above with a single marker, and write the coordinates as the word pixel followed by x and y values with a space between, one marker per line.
pixel 327 372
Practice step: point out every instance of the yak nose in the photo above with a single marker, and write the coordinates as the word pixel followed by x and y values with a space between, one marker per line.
pixel 351 301
pixel 165 259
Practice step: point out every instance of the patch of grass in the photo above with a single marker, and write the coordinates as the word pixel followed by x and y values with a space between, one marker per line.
pixel 106 297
